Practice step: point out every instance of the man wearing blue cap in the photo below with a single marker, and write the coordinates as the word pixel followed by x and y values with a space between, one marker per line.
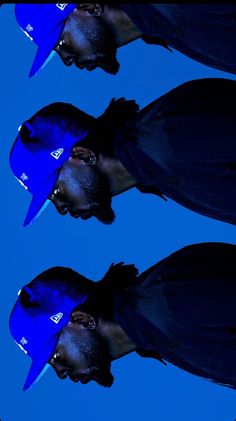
pixel 89 34
pixel 181 146
pixel 180 310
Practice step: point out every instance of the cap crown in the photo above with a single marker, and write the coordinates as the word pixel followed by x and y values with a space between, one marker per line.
pixel 38 21
pixel 34 326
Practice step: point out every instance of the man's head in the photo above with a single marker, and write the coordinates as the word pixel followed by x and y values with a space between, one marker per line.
pixel 82 189
pixel 82 353
pixel 80 34
pixel 49 324
pixel 50 161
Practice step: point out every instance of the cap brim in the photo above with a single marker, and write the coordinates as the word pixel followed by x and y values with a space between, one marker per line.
pixel 40 201
pixel 38 368
pixel 46 52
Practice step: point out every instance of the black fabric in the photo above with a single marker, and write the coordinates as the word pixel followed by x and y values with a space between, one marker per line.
pixel 184 146
pixel 203 32
pixel 183 309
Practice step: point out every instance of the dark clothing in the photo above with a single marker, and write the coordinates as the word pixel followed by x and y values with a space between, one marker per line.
pixel 183 308
pixel 184 145
pixel 203 32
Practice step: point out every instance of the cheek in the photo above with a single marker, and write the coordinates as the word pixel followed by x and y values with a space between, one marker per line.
pixel 78 184
pixel 75 358
pixel 79 45
pixel 72 191
pixel 78 197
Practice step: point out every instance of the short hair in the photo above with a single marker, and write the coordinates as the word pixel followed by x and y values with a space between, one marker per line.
pixel 61 117
pixel 66 281
pixel 58 118
pixel 117 115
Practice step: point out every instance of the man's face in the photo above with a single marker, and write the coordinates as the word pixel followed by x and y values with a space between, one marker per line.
pixel 88 42
pixel 83 191
pixel 82 355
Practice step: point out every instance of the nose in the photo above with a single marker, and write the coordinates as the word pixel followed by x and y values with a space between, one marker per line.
pixel 61 371
pixel 61 207
pixel 67 58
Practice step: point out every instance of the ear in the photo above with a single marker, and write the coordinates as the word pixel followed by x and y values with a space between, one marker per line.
pixel 92 9
pixel 83 319
pixel 84 154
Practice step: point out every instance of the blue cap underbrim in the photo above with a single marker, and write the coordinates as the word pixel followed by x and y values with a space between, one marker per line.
pixel 40 201
pixel 38 368
pixel 46 52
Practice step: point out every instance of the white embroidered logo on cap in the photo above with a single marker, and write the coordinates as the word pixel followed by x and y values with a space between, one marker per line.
pixel 21 182
pixel 23 341
pixel 21 347
pixel 61 6
pixel 56 154
pixel 24 176
pixel 29 28
pixel 56 317
pixel 27 34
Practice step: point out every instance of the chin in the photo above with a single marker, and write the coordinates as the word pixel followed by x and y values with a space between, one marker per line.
pixel 106 219
pixel 105 380
pixel 110 70
pixel 110 66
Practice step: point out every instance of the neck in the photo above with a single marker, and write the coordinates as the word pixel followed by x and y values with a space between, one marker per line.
pixel 118 342
pixel 119 178
pixel 123 28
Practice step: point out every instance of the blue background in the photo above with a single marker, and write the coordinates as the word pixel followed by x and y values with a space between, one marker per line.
pixel 146 229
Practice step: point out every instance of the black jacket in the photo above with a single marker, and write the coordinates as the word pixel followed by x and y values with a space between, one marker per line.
pixel 183 308
pixel 184 145
pixel 203 32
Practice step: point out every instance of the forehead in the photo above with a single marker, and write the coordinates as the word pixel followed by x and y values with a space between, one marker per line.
pixel 71 23
pixel 79 21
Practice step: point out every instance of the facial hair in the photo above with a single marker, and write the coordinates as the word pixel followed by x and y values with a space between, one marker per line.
pixel 98 196
pixel 97 358
pixel 102 45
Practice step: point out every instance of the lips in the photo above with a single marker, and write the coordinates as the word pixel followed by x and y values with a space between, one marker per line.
pixel 90 67
pixel 75 379
pixel 81 214
pixel 87 66
pixel 75 215
pixel 81 379
pixel 85 380
pixel 86 216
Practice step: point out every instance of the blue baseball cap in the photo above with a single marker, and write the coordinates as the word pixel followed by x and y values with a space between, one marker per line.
pixel 43 24
pixel 36 327
pixel 37 157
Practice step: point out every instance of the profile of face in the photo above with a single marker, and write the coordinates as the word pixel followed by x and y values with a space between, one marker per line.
pixel 88 41
pixel 82 190
pixel 82 355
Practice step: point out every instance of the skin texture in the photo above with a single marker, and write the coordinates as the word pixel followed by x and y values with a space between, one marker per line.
pixel 83 191
pixel 82 355
pixel 86 185
pixel 85 349
pixel 89 178
pixel 88 40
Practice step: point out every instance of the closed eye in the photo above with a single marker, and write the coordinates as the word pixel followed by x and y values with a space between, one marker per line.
pixel 61 44
pixel 64 46
pixel 56 357
pixel 56 194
